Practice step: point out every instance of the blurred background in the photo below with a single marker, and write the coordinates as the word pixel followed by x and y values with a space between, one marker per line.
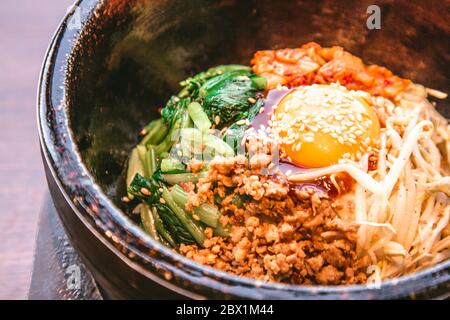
pixel 26 28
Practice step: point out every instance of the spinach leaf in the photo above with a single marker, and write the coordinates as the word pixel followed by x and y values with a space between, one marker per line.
pixel 223 91
pixel 229 95
pixel 192 85
pixel 151 191
pixel 174 109
pixel 174 225
pixel 235 133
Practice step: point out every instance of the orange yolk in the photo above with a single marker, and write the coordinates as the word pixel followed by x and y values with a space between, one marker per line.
pixel 318 125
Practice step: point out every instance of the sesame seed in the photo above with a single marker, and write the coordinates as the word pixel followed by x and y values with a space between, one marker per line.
pixel 217 120
pixel 145 192
pixel 252 100
pixel 125 199
pixel 332 112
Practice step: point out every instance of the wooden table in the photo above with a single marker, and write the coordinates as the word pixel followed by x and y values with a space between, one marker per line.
pixel 26 27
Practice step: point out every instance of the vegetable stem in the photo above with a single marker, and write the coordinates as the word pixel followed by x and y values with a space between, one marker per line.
pixel 148 221
pixel 193 228
pixel 199 117
pixel 171 164
pixel 222 231
pixel 134 166
pixel 159 225
pixel 148 160
pixel 156 132
pixel 259 82
pixel 175 178
pixel 208 144
pixel 207 213
pixel 184 121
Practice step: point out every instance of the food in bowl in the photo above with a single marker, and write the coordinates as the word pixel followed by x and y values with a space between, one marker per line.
pixel 307 167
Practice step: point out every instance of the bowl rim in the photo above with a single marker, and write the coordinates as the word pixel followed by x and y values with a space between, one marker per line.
pixel 99 212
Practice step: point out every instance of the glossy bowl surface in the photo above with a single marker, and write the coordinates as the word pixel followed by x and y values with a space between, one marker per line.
pixel 111 64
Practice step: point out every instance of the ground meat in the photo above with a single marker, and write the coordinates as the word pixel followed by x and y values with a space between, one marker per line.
pixel 316 263
pixel 277 235
pixel 329 275
pixel 195 165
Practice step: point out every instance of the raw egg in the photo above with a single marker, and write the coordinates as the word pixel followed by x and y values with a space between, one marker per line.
pixel 318 125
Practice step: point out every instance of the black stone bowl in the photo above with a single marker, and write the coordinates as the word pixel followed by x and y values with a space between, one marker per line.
pixel 111 64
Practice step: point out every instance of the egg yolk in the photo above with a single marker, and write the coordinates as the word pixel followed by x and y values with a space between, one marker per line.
pixel 318 125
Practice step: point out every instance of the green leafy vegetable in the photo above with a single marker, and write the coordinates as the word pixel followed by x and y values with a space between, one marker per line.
pixel 193 84
pixel 235 133
pixel 176 178
pixel 199 117
pixel 195 144
pixel 216 98
pixel 148 160
pixel 186 219
pixel 171 164
pixel 230 98
pixel 181 121
pixel 173 225
pixel 222 231
pixel 225 91
pixel 207 213
pixel 174 109
pixel 177 222
pixel 156 132
pixel 148 221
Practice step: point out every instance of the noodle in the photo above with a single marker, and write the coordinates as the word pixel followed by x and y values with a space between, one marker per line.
pixel 405 153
